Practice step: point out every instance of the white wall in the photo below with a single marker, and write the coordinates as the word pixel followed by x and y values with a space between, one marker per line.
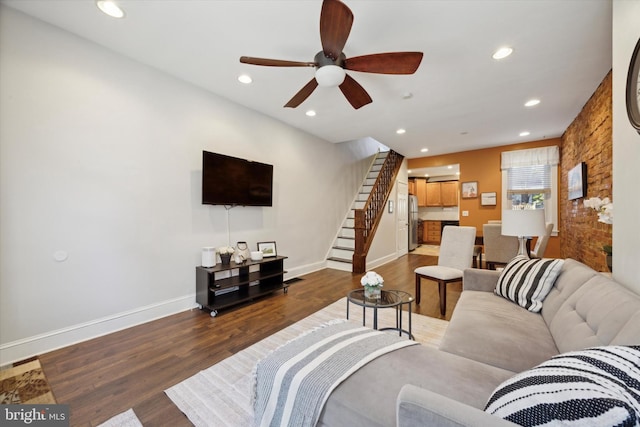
pixel 626 150
pixel 100 158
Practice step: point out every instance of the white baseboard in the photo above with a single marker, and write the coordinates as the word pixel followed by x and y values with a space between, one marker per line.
pixel 28 347
pixel 304 269
pixel 43 343
pixel 381 261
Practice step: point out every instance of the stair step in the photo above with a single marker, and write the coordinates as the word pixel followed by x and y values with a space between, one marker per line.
pixel 345 242
pixel 346 253
pixel 347 261
pixel 347 233
pixel 339 265
pixel 343 248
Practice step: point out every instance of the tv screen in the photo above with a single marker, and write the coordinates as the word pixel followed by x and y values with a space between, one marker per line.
pixel 232 181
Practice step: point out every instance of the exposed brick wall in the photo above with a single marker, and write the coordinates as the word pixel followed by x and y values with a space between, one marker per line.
pixel 588 139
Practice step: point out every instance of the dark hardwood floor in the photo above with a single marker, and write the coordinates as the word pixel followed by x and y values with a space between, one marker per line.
pixel 131 368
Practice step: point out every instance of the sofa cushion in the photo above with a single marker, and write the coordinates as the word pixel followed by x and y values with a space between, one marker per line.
pixel 493 330
pixel 368 397
pixel 528 281
pixel 598 386
pixel 593 312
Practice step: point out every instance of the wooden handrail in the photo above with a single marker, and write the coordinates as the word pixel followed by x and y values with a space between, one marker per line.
pixel 367 219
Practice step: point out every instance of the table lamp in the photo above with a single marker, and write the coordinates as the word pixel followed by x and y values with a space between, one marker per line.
pixel 523 223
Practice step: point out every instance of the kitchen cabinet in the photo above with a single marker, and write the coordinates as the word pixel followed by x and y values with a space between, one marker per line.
pixel 421 191
pixel 449 193
pixel 432 232
pixel 434 198
pixel 442 193
pixel 412 187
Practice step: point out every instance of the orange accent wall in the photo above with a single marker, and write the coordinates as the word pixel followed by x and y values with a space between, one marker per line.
pixel 483 166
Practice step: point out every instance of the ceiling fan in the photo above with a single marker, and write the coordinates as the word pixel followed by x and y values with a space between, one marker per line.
pixel 336 20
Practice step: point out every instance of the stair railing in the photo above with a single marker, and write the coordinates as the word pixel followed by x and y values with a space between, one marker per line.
pixel 367 219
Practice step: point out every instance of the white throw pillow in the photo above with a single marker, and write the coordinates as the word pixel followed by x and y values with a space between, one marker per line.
pixel 527 282
pixel 598 386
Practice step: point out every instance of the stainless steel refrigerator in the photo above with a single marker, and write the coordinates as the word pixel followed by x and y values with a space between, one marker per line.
pixel 413 222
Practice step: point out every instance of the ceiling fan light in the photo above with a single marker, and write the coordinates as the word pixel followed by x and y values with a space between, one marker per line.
pixel 330 76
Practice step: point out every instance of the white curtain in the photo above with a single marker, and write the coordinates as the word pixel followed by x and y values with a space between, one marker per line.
pixel 531 157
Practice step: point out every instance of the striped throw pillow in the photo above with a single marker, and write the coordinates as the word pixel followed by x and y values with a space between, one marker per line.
pixel 598 386
pixel 527 282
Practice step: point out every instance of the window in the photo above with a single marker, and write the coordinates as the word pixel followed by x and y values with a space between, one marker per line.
pixel 530 178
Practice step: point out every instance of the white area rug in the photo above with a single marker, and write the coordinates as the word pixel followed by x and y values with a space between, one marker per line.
pixel 221 394
pixel 125 419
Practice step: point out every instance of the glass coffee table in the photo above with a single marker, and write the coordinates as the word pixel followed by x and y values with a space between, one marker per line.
pixel 388 299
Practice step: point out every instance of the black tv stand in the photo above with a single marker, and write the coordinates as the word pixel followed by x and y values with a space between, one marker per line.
pixel 225 285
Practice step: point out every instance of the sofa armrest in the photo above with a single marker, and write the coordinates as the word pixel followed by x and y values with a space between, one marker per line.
pixel 475 279
pixel 417 406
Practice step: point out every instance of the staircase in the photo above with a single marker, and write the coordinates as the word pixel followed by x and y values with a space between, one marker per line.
pixel 341 254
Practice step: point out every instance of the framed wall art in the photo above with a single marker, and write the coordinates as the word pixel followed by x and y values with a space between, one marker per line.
pixel 268 249
pixel 578 181
pixel 488 199
pixel 470 190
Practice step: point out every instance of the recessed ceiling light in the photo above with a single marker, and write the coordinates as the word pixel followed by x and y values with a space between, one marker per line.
pixel 502 53
pixel 407 95
pixel 401 131
pixel 426 174
pixel 457 173
pixel 409 171
pixel 525 133
pixel 424 150
pixel 310 113
pixel 532 102
pixel 449 167
pixel 110 8
pixel 245 78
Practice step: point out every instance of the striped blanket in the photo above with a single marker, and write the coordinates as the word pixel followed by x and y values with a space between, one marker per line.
pixel 293 383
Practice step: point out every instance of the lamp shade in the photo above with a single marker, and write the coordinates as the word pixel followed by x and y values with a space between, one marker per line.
pixel 523 222
pixel 330 75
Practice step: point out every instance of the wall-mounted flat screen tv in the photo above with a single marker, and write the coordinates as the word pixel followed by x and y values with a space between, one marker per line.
pixel 232 181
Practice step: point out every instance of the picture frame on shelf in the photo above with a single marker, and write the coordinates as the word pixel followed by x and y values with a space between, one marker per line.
pixel 469 190
pixel 577 178
pixel 268 249
pixel 488 199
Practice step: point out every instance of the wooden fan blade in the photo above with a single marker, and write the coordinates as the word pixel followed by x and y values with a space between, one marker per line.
pixel 335 25
pixel 355 94
pixel 274 62
pixel 385 63
pixel 303 94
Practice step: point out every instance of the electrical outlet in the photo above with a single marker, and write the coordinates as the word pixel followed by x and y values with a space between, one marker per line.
pixel 465 213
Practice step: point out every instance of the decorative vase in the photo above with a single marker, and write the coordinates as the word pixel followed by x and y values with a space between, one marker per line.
pixel 242 252
pixel 226 258
pixel 372 292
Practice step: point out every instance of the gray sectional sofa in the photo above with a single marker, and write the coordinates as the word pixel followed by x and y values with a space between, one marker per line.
pixel 489 339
